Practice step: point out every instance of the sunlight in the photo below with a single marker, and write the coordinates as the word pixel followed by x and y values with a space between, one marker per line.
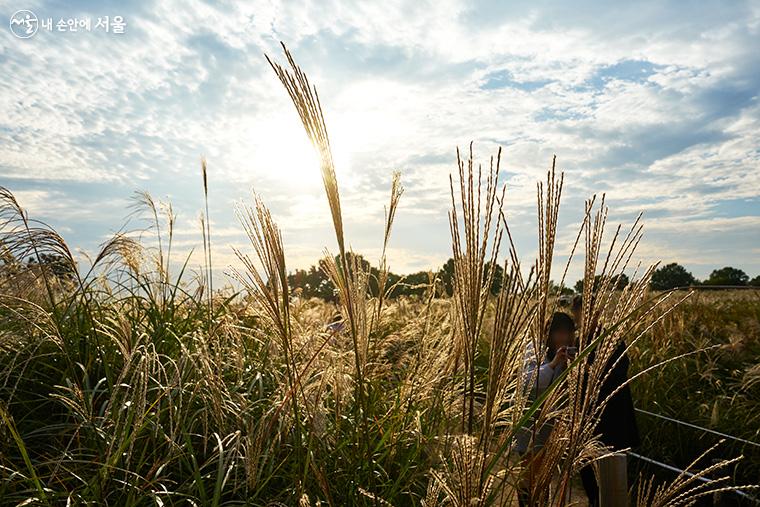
pixel 284 153
pixel 460 304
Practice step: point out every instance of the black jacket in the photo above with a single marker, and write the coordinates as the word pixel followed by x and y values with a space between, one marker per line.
pixel 617 425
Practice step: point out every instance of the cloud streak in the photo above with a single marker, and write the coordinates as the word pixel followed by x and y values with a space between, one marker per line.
pixel 654 104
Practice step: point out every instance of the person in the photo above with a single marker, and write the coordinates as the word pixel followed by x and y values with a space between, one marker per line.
pixel 617 427
pixel 560 349
pixel 337 324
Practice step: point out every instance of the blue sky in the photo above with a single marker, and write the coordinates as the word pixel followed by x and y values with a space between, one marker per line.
pixel 655 104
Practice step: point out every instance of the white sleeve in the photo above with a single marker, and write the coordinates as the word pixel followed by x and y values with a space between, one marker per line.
pixel 538 381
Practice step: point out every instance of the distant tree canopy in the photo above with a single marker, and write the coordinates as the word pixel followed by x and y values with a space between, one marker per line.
pixel 446 276
pixel 48 266
pixel 671 276
pixel 498 277
pixel 727 276
pixel 55 264
pixel 313 282
pixel 621 281
pixel 556 290
pixel 413 284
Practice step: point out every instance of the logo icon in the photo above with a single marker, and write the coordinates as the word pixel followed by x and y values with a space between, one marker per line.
pixel 24 24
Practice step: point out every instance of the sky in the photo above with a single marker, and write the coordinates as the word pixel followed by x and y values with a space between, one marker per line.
pixel 655 104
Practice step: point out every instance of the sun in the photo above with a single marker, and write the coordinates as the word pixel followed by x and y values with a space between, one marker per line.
pixel 283 152
pixel 286 151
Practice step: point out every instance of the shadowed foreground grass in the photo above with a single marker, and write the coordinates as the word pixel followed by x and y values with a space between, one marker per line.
pixel 130 382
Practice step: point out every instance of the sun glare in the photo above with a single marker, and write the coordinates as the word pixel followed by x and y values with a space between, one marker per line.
pixel 286 155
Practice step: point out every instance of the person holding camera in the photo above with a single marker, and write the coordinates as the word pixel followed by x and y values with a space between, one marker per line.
pixel 560 351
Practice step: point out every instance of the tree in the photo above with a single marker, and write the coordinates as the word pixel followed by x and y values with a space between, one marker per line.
pixel 446 275
pixel 498 277
pixel 313 283
pixel 671 276
pixel 555 289
pixel 414 284
pixel 755 282
pixel 619 281
pixel 55 264
pixel 728 276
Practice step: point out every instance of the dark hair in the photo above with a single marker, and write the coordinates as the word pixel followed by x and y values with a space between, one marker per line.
pixel 560 322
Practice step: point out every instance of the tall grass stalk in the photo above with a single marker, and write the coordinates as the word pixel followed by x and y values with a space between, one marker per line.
pixel 206 233
pixel 130 382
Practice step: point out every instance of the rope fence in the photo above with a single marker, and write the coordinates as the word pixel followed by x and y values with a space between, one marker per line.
pixel 689 474
pixel 700 428
pixel 718 287
pixel 677 470
pixel 726 436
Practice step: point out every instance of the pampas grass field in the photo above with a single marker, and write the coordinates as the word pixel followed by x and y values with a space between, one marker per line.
pixel 131 381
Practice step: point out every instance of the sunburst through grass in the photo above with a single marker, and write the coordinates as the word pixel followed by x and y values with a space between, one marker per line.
pixel 131 383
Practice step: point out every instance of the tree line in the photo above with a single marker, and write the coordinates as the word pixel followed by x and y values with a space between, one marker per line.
pixel 313 282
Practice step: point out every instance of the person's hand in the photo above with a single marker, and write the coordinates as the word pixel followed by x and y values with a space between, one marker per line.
pixel 560 358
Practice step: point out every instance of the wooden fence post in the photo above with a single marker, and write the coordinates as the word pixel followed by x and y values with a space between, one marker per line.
pixel 612 476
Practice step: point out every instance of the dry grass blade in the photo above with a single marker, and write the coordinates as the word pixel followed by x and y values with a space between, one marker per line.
pixel 206 233
pixel 472 246
pixel 306 101
pixel 46 254
pixel 690 484
pixel 266 280
pixel 390 213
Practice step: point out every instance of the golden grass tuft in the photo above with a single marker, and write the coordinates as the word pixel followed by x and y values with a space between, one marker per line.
pixel 125 384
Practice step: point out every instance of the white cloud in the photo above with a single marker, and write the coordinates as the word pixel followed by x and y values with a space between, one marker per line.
pixel 402 84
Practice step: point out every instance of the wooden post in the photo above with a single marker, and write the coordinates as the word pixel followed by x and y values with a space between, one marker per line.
pixel 612 477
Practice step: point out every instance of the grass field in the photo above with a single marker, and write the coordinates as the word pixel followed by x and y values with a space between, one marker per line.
pixel 718 388
pixel 130 381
